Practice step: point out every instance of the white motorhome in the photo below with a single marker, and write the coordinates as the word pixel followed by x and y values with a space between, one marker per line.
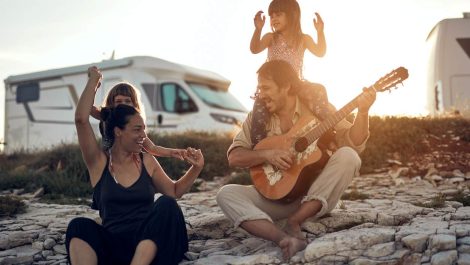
pixel 448 88
pixel 40 106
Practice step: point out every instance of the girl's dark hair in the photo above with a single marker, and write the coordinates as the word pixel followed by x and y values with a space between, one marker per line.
pixel 123 89
pixel 292 10
pixel 282 73
pixel 113 117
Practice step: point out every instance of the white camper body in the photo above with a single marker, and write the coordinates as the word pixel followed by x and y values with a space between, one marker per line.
pixel 448 88
pixel 40 107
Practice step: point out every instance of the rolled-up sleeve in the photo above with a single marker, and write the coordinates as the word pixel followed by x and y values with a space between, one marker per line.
pixel 343 138
pixel 243 138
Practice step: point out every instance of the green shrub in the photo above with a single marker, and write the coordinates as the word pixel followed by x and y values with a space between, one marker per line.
pixel 461 197
pixel 405 136
pixel 62 173
pixel 354 195
pixel 437 201
pixel 213 146
pixel 11 205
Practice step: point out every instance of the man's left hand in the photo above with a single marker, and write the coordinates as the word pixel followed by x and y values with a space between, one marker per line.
pixel 366 99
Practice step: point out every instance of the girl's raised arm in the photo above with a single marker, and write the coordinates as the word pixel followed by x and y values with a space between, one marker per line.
pixel 91 151
pixel 318 49
pixel 257 43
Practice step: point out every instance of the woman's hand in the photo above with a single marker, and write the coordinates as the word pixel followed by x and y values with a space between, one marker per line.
pixel 194 157
pixel 178 153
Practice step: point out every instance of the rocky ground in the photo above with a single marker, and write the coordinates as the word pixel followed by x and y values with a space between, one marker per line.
pixel 385 219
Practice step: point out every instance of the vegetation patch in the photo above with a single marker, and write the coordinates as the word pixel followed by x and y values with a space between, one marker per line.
pixel 11 205
pixel 437 201
pixel 461 197
pixel 61 172
pixel 354 195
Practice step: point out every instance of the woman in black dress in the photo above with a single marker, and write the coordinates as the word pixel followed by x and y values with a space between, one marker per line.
pixel 135 229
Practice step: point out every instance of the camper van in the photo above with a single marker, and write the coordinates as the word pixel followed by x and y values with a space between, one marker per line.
pixel 448 88
pixel 40 106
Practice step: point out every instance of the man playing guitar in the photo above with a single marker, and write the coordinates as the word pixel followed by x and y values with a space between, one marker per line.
pixel 248 208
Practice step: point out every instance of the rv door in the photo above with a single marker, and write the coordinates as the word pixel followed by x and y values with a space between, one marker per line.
pixel 173 106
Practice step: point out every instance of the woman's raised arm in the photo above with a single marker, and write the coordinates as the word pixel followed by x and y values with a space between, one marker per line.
pixel 91 151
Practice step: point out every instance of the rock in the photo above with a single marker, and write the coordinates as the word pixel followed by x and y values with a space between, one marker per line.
pixel 441 242
pixel 380 250
pixel 49 243
pixel 416 242
pixel 444 258
pixel 16 238
pixel 387 229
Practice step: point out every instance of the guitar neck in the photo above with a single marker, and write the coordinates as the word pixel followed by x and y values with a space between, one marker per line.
pixel 332 120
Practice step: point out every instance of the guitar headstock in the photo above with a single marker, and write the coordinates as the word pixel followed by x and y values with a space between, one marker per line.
pixel 391 80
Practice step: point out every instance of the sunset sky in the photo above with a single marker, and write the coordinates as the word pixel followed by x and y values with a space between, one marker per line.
pixel 365 40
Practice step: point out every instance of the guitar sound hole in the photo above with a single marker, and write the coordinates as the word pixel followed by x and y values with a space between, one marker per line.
pixel 301 144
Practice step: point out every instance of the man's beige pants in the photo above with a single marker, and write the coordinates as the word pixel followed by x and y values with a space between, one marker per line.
pixel 241 203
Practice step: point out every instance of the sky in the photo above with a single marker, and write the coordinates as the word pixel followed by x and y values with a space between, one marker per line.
pixel 366 39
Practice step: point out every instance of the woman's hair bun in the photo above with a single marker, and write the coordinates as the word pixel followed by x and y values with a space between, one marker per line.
pixel 105 113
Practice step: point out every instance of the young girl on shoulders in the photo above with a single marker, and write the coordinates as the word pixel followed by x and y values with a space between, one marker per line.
pixel 287 42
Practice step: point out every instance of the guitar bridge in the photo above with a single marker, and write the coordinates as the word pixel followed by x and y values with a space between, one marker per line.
pixel 272 173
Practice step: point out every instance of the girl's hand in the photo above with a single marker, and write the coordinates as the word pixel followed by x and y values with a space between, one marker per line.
pixel 318 23
pixel 178 153
pixel 95 113
pixel 94 75
pixel 194 157
pixel 259 20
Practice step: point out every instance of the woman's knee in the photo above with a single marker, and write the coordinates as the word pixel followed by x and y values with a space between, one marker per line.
pixel 166 203
pixel 80 225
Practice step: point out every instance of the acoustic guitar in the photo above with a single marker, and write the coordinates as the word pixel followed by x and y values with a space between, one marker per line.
pixel 304 141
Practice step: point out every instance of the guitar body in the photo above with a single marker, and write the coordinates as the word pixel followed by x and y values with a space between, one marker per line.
pixel 295 181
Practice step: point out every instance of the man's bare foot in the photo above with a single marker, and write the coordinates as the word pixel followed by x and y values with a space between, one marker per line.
pixel 291 245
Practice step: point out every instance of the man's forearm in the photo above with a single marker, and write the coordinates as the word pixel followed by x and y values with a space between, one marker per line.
pixel 244 158
pixel 360 129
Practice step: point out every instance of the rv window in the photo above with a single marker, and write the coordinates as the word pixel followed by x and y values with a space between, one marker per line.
pixel 217 98
pixel 175 99
pixel 151 92
pixel 465 44
pixel 27 92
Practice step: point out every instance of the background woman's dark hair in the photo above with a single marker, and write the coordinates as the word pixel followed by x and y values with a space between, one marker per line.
pixel 113 117
pixel 282 73
pixel 123 89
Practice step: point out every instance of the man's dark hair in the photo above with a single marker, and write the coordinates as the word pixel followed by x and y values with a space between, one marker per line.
pixel 281 72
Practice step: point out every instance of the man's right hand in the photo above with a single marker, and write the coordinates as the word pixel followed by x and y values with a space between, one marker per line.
pixel 279 158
